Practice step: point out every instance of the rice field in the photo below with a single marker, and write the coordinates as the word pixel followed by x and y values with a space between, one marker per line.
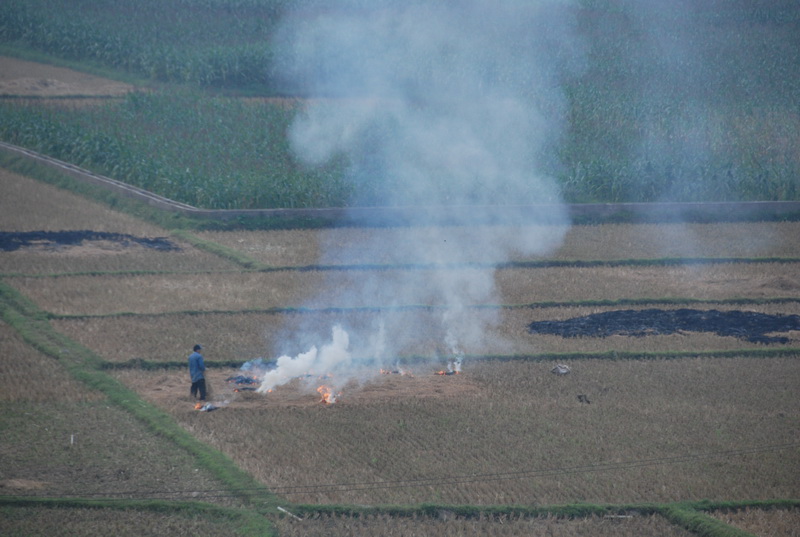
pixel 512 433
pixel 63 439
pixel 89 522
pixel 99 434
pixel 767 523
pixel 601 242
pixel 241 291
pixel 505 432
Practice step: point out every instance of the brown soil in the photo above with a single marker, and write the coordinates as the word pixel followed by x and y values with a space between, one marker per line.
pixel 170 389
pixel 30 79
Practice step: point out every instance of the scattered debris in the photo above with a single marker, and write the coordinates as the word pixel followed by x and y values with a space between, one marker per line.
pixel 242 379
pixel 561 369
pixel 282 510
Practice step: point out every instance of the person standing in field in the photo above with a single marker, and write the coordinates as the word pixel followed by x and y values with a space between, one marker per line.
pixel 197 370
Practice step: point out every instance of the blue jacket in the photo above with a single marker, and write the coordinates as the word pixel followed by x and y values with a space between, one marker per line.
pixel 196 366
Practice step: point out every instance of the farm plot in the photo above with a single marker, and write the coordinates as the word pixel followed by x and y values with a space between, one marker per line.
pixel 30 205
pixel 504 431
pixel 77 235
pixel 393 246
pixel 85 254
pixel 90 522
pixel 161 293
pixel 61 438
pixel 771 523
pixel 231 337
pixel 514 433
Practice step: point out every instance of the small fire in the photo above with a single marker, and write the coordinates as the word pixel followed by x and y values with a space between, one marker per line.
pixel 328 396
pixel 453 367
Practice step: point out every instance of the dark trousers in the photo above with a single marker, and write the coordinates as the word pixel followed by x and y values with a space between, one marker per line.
pixel 200 386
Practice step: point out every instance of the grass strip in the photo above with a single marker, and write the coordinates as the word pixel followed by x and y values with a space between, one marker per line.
pixel 422 307
pixel 220 250
pixel 551 263
pixel 249 264
pixel 708 505
pixel 86 366
pixel 643 355
pixel 119 273
pixel 700 523
pixel 150 365
pixel 578 510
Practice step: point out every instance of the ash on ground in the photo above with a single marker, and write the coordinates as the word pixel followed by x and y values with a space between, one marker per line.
pixel 14 240
pixel 747 325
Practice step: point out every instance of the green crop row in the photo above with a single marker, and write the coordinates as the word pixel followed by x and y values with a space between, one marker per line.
pixel 224 153
pixel 199 42
pixel 714 120
pixel 209 152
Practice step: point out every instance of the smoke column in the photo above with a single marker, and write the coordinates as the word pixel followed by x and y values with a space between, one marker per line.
pixel 445 103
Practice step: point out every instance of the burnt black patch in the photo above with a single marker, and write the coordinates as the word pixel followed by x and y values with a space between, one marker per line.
pixel 14 240
pixel 747 325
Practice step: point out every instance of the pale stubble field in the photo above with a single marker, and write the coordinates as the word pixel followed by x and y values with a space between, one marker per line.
pixel 512 431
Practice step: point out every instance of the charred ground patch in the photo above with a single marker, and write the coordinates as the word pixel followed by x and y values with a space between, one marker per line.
pixel 14 240
pixel 748 325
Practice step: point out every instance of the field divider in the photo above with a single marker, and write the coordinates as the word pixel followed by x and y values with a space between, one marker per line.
pixel 691 516
pixel 432 510
pixel 700 523
pixel 220 250
pixel 688 515
pixel 249 264
pixel 293 310
pixel 244 521
pixel 151 365
pixel 641 355
pixel 87 367
pixel 537 264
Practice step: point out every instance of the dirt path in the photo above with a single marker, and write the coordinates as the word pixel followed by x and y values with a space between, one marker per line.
pixel 30 79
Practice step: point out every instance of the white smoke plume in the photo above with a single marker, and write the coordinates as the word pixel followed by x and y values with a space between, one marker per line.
pixel 435 103
pixel 312 364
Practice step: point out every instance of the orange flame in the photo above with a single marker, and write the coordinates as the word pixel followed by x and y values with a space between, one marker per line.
pixel 328 397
